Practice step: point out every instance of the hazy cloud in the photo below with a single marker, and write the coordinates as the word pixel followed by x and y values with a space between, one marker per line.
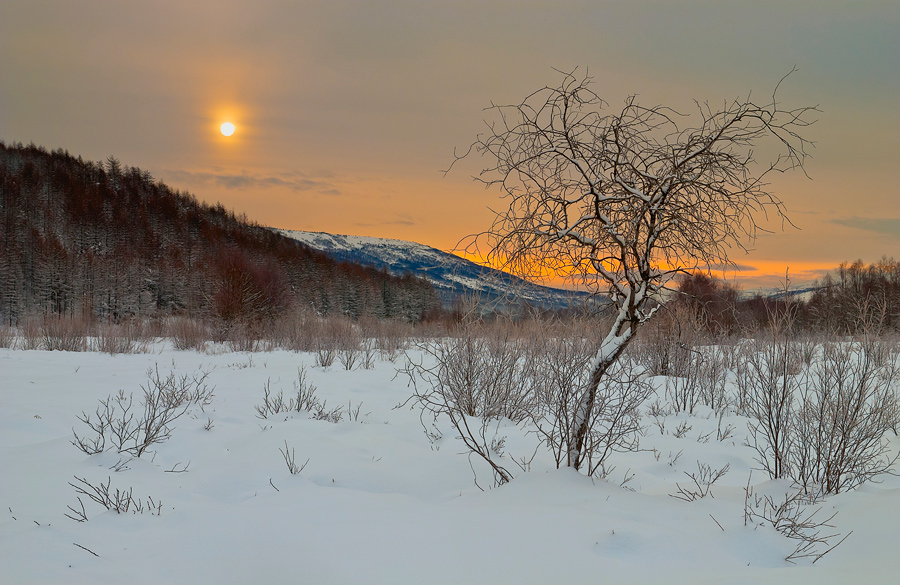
pixel 730 267
pixel 389 222
pixel 889 226
pixel 246 180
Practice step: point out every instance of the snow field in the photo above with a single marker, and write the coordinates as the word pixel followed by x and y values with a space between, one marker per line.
pixel 378 502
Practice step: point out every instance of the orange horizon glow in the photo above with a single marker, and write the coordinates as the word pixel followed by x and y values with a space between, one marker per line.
pixel 757 274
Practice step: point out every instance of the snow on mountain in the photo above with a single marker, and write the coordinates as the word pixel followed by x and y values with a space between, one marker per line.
pixel 450 275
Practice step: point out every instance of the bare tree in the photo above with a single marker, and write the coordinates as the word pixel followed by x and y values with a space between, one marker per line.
pixel 622 201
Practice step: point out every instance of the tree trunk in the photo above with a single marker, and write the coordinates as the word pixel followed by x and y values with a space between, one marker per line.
pixel 610 350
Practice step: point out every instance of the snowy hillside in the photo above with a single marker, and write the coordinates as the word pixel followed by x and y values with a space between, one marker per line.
pixel 376 501
pixel 451 275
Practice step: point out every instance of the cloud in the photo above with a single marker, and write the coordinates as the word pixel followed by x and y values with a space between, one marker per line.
pixel 889 226
pixel 246 180
pixel 406 222
pixel 730 267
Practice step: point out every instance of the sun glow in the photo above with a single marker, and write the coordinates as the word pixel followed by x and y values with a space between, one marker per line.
pixel 227 129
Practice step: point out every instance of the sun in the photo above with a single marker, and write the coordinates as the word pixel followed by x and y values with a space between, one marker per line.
pixel 227 129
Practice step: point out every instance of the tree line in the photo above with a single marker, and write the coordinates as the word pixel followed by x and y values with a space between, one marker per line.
pixel 854 298
pixel 107 241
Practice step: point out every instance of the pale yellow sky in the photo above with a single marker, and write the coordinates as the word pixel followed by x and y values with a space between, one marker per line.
pixel 346 112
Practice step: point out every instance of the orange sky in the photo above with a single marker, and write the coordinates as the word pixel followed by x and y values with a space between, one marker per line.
pixel 346 112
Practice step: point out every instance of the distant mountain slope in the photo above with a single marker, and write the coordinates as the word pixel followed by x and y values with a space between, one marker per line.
pixel 450 275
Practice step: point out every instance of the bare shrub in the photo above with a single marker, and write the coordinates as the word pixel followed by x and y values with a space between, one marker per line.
pixel 107 341
pixel 187 333
pixel 64 333
pixel 845 411
pixel 684 390
pixel 127 337
pixel 793 518
pixel 473 383
pixel 119 501
pixel 295 330
pixel 713 374
pixel 682 430
pixel 289 459
pixel 664 346
pixel 333 416
pixel 8 337
pixel 245 336
pixel 824 427
pixel 392 339
pixel 770 373
pixel 30 333
pixel 479 434
pixel 703 481
pixel 304 400
pixel 273 403
pixel 726 432
pixel 152 328
pixel 671 346
pixel 325 351
pixel 369 353
pixel 349 346
pixel 479 376
pixel 133 430
pixel 306 393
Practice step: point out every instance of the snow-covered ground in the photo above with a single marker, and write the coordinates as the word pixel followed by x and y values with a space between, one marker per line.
pixel 377 502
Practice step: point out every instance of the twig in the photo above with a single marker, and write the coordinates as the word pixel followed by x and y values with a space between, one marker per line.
pixel 87 549
pixel 176 470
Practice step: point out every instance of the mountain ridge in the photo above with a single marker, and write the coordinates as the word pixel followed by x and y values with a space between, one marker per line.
pixel 452 276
